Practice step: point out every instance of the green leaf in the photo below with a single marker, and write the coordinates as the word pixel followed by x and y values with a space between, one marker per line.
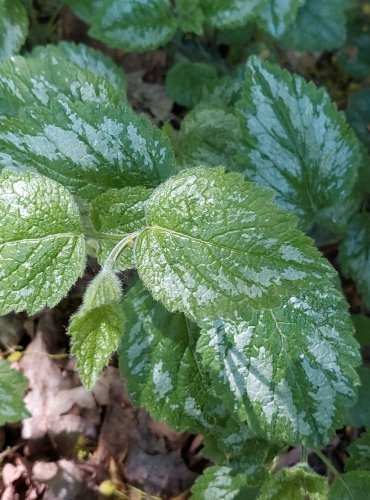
pixel 230 13
pixel 359 414
pixel 115 214
pixel 185 82
pixel 97 327
pixel 358 113
pixel 318 26
pixel 353 485
pixel 85 57
pixel 13 27
pixel 190 16
pixel 362 329
pixel 359 453
pixel 12 388
pixel 86 150
pixel 220 482
pixel 288 371
pixel 209 135
pixel 354 255
pixel 132 25
pixel 296 142
pixel 214 243
pixel 277 15
pixel 295 483
pixel 157 357
pixel 33 81
pixel 42 248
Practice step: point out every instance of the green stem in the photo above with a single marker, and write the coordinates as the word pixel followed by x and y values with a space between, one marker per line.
pixel 115 253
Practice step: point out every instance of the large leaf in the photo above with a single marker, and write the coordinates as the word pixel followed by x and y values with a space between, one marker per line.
pixel 354 255
pixel 289 371
pixel 230 13
pixel 97 327
pixel 42 248
pixel 158 359
pixel 318 26
pixel 84 149
pixel 359 453
pixel 114 214
pixel 277 15
pixel 13 27
pixel 220 482
pixel 12 388
pixel 85 57
pixel 353 485
pixel 214 242
pixel 296 142
pixel 358 113
pixel 295 483
pixel 131 25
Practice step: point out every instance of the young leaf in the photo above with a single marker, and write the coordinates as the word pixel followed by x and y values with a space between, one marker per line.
pixel 354 255
pixel 220 482
pixel 296 483
pixel 318 26
pixel 277 15
pixel 132 25
pixel 230 13
pixel 86 150
pixel 114 214
pixel 289 371
pixel 13 385
pixel 353 485
pixel 13 27
pixel 85 57
pixel 295 141
pixel 97 327
pixel 185 82
pixel 42 247
pixel 359 453
pixel 359 414
pixel 157 357
pixel 214 242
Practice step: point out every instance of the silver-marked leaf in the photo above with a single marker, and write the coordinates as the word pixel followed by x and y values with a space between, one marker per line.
pixel 13 27
pixel 86 150
pixel 353 485
pixel 214 243
pixel 97 326
pixel 132 25
pixel 318 26
pixel 158 359
pixel 359 453
pixel 277 15
pixel 12 388
pixel 296 483
pixel 114 214
pixel 289 371
pixel 42 247
pixel 354 255
pixel 209 135
pixel 222 483
pixel 85 57
pixel 28 81
pixel 295 141
pixel 230 13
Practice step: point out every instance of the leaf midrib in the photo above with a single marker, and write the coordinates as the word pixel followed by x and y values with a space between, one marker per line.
pixel 42 238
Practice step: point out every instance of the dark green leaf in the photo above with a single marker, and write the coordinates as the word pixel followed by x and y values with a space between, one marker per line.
pixel 354 485
pixel 359 453
pixel 12 388
pixel 359 414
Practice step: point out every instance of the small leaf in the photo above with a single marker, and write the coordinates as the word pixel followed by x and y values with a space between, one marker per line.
pixel 190 16
pixel 220 482
pixel 359 414
pixel 353 485
pixel 354 255
pixel 42 248
pixel 185 82
pixel 12 388
pixel 132 25
pixel 289 371
pixel 296 483
pixel 295 141
pixel 158 359
pixel 359 453
pixel 13 27
pixel 214 242
pixel 84 149
pixel 97 327
pixel 230 13
pixel 358 113
pixel 277 15
pixel 114 214
pixel 318 26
